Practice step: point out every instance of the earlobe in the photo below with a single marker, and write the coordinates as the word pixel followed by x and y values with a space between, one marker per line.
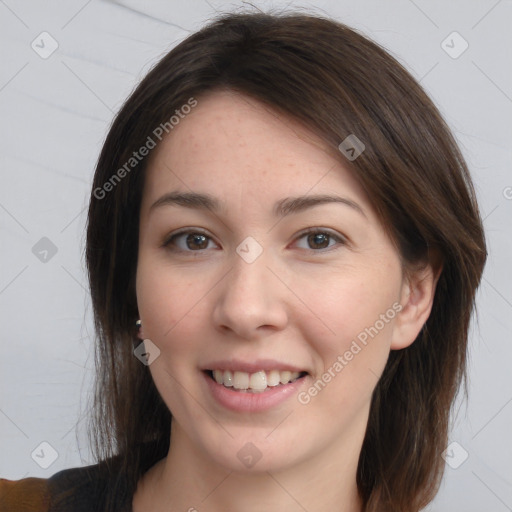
pixel 417 298
pixel 140 333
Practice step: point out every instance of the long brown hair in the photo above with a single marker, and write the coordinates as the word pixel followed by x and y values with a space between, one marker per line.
pixel 338 83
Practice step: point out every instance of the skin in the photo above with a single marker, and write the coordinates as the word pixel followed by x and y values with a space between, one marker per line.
pixel 298 302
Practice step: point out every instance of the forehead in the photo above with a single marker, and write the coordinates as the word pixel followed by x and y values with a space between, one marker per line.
pixel 232 144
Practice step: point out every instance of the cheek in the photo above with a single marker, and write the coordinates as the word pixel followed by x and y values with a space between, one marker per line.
pixel 168 302
pixel 352 325
pixel 170 306
pixel 346 303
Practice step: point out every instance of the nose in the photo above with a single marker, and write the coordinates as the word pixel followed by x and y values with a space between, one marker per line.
pixel 251 301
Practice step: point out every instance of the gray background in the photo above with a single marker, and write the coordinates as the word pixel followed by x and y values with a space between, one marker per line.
pixel 55 115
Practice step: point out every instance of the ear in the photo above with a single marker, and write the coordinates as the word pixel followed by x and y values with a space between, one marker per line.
pixel 417 297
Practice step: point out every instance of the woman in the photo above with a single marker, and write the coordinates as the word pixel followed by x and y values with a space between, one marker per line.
pixel 283 248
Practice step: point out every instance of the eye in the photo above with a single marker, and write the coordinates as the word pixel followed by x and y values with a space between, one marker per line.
pixel 188 241
pixel 318 239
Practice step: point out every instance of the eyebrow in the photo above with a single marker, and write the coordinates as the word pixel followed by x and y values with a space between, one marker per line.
pixel 282 208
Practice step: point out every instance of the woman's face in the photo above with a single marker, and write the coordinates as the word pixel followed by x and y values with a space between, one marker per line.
pixel 242 293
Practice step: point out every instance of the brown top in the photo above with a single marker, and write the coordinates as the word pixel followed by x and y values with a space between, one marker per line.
pixel 83 489
pixel 27 495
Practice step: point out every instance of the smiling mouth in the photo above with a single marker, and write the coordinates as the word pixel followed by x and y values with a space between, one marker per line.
pixel 257 382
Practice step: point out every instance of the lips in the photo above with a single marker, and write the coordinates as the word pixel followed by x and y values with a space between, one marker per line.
pixel 250 400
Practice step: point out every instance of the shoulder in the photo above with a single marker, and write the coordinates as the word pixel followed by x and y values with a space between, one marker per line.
pixel 70 490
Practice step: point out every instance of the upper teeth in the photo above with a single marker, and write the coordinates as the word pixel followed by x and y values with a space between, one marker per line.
pixel 257 381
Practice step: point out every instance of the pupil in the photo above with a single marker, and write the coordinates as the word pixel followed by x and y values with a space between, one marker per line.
pixel 197 240
pixel 319 239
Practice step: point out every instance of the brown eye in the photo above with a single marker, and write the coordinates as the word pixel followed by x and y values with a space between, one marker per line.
pixel 197 241
pixel 188 241
pixel 317 239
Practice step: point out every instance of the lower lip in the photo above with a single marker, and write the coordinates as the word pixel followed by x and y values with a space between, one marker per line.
pixel 249 401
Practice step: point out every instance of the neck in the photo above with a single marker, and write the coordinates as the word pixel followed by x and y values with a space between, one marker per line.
pixel 188 480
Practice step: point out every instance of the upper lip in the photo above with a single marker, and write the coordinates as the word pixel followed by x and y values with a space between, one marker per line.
pixel 236 365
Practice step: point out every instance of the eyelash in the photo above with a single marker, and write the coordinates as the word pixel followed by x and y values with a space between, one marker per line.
pixel 332 236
